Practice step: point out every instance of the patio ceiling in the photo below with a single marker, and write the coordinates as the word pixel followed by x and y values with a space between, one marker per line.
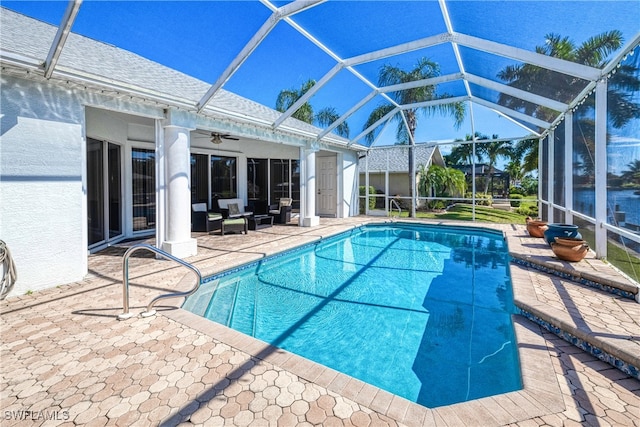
pixel 343 44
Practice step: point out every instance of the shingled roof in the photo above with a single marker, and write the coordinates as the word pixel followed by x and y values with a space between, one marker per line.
pixel 26 41
pixel 399 158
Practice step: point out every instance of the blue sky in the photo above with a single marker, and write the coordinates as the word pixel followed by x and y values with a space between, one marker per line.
pixel 200 38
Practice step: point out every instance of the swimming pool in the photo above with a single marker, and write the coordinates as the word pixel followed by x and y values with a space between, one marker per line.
pixel 421 311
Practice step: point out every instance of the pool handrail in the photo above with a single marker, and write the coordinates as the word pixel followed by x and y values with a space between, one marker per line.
pixel 393 202
pixel 126 314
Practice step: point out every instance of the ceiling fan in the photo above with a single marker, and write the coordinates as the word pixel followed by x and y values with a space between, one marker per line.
pixel 217 138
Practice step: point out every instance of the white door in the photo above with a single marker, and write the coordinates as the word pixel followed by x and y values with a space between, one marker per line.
pixel 326 186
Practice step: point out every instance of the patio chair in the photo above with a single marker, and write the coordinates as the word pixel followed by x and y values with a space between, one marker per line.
pixel 203 220
pixel 233 208
pixel 281 211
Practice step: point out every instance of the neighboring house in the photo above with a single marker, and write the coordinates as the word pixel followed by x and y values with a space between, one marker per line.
pixel 499 180
pixel 389 167
pixel 111 146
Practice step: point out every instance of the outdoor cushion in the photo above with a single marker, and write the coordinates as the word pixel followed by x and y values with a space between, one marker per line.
pixel 225 204
pixel 199 207
pixel 235 221
pixel 233 209
pixel 237 225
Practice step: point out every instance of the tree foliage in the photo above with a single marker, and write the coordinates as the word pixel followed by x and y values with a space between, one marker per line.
pixel 306 113
pixel 405 134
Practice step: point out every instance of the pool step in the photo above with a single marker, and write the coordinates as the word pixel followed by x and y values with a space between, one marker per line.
pixel 577 317
pixel 244 320
pixel 220 307
pixel 565 270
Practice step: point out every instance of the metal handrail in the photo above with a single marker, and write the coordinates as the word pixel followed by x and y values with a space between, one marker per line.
pixel 393 202
pixel 125 280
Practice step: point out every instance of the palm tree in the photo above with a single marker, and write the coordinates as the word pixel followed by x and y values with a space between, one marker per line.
pixel 425 183
pixel 633 173
pixel 593 52
pixel 493 151
pixel 462 154
pixel 551 84
pixel 455 183
pixel 324 117
pixel 432 180
pixel 526 152
pixel 516 171
pixel 441 181
pixel 392 75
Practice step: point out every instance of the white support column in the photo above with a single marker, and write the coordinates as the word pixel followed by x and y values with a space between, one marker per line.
pixel 178 189
pixel 310 219
pixel 601 168
pixel 540 174
pixel 366 183
pixel 386 185
pixel 551 140
pixel 161 212
pixel 568 167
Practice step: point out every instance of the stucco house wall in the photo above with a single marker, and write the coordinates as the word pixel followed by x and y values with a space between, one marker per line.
pixel 45 124
pixel 41 190
pixel 394 159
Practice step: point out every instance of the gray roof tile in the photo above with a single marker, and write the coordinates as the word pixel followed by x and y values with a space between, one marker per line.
pixel 398 158
pixel 33 38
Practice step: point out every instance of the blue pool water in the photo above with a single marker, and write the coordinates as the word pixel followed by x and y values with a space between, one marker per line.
pixel 421 311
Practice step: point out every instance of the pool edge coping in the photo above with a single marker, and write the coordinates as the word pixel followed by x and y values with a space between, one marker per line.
pixel 540 394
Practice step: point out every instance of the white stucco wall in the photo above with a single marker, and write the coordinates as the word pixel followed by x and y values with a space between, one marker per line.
pixel 349 183
pixel 43 168
pixel 42 207
pixel 398 182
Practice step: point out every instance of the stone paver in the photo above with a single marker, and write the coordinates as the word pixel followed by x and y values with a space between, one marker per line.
pixel 66 360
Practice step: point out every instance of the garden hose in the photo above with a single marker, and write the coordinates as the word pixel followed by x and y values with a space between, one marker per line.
pixel 9 274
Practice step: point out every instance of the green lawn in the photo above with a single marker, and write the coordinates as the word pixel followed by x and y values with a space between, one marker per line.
pixel 624 260
pixel 463 212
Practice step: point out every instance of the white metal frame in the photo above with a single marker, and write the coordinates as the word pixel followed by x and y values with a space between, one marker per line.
pixel 597 79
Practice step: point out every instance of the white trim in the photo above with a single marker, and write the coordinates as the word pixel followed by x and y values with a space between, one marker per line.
pixel 600 160
pixel 568 171
pixel 61 37
pixel 529 57
pixel 551 139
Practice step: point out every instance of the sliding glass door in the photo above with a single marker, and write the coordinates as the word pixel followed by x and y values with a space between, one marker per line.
pixel 285 180
pixel 213 176
pixel 143 168
pixel 104 191
pixel 223 178
pixel 258 180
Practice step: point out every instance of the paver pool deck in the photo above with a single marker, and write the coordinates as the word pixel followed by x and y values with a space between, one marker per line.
pixel 67 360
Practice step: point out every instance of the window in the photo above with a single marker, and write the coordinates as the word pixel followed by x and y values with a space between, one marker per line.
pixel 258 179
pixel 285 180
pixel 143 188
pixel 199 178
pixel 223 178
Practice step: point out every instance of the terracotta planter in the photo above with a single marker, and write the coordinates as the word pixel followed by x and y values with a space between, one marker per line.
pixel 570 241
pixel 560 230
pixel 536 228
pixel 569 253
